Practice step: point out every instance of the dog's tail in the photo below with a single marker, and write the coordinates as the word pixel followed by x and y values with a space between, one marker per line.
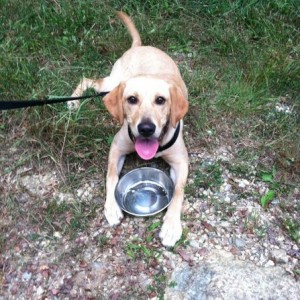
pixel 136 39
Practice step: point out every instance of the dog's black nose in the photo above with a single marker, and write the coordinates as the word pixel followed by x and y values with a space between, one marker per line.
pixel 146 129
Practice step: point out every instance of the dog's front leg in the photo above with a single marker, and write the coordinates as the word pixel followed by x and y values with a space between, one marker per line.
pixel 116 159
pixel 171 230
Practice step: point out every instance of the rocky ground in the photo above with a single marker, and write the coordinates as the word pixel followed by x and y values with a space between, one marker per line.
pixel 56 243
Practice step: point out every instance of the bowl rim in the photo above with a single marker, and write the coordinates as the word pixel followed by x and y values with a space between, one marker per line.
pixel 146 214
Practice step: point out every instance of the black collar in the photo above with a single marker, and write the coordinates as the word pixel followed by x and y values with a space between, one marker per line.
pixel 164 147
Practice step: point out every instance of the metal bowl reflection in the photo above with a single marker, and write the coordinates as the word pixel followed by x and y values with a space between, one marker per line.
pixel 144 191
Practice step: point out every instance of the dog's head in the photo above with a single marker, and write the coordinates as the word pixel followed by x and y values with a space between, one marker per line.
pixel 148 104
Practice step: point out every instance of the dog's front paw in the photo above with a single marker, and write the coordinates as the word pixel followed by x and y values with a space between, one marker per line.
pixel 113 214
pixel 170 232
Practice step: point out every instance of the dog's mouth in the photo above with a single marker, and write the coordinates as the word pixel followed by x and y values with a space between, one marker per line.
pixel 146 144
pixel 146 148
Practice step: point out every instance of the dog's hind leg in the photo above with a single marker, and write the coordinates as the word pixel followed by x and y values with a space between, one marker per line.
pixel 99 85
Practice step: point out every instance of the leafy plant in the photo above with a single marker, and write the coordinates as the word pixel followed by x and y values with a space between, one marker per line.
pixel 267 198
pixel 172 284
pixel 102 241
pixel 137 250
pixel 159 285
pixel 150 232
pixel 271 193
pixel 293 228
pixel 209 175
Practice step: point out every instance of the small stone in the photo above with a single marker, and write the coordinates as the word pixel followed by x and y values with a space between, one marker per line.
pixel 227 199
pixel 79 193
pixel 243 183
pixel 203 238
pixel 73 293
pixel 203 251
pixel 24 198
pixel 194 244
pixel 39 291
pixel 280 256
pixel 55 292
pixel 269 263
pixel 26 276
pixel 225 224
pixel 240 243
pixel 227 187
pixel 57 234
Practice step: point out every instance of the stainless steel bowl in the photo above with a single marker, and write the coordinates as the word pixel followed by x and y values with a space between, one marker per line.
pixel 144 192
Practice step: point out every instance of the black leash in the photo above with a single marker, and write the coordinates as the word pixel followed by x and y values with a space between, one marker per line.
pixel 14 104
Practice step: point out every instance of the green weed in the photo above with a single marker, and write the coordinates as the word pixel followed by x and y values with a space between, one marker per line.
pixel 158 286
pixel 102 241
pixel 252 224
pixel 172 284
pixel 68 218
pixel 267 198
pixel 271 193
pixel 209 175
pixel 293 228
pixel 151 231
pixel 138 250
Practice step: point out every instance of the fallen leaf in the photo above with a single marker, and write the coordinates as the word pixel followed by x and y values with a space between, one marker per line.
pixel 207 226
pixel 83 264
pixel 184 255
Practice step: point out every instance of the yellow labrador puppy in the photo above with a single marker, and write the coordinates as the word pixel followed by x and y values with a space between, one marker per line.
pixel 149 99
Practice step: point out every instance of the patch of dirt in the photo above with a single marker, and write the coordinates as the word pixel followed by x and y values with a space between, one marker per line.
pixel 56 244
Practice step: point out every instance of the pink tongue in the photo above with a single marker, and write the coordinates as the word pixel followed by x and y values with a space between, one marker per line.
pixel 146 149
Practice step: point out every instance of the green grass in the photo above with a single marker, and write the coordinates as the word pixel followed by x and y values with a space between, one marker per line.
pixel 238 58
pixel 138 250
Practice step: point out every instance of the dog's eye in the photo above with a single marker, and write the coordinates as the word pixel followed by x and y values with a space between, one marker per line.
pixel 160 100
pixel 132 100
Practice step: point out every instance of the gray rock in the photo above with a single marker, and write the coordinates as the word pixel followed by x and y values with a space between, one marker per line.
pixel 238 242
pixel 222 276
pixel 26 276
pixel 39 185
pixel 279 256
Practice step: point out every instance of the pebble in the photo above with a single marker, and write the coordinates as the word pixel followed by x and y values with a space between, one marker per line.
pixel 97 265
pixel 57 235
pixel 194 244
pixel 243 183
pixel 283 108
pixel 279 256
pixel 39 291
pixel 240 243
pixel 269 263
pixel 227 199
pixel 26 276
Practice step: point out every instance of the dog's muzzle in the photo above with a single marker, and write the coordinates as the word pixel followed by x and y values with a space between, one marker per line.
pixel 147 147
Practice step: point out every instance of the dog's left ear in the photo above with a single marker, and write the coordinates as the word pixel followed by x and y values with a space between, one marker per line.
pixel 114 104
pixel 179 105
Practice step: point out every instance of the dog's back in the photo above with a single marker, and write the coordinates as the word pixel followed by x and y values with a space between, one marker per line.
pixel 143 60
